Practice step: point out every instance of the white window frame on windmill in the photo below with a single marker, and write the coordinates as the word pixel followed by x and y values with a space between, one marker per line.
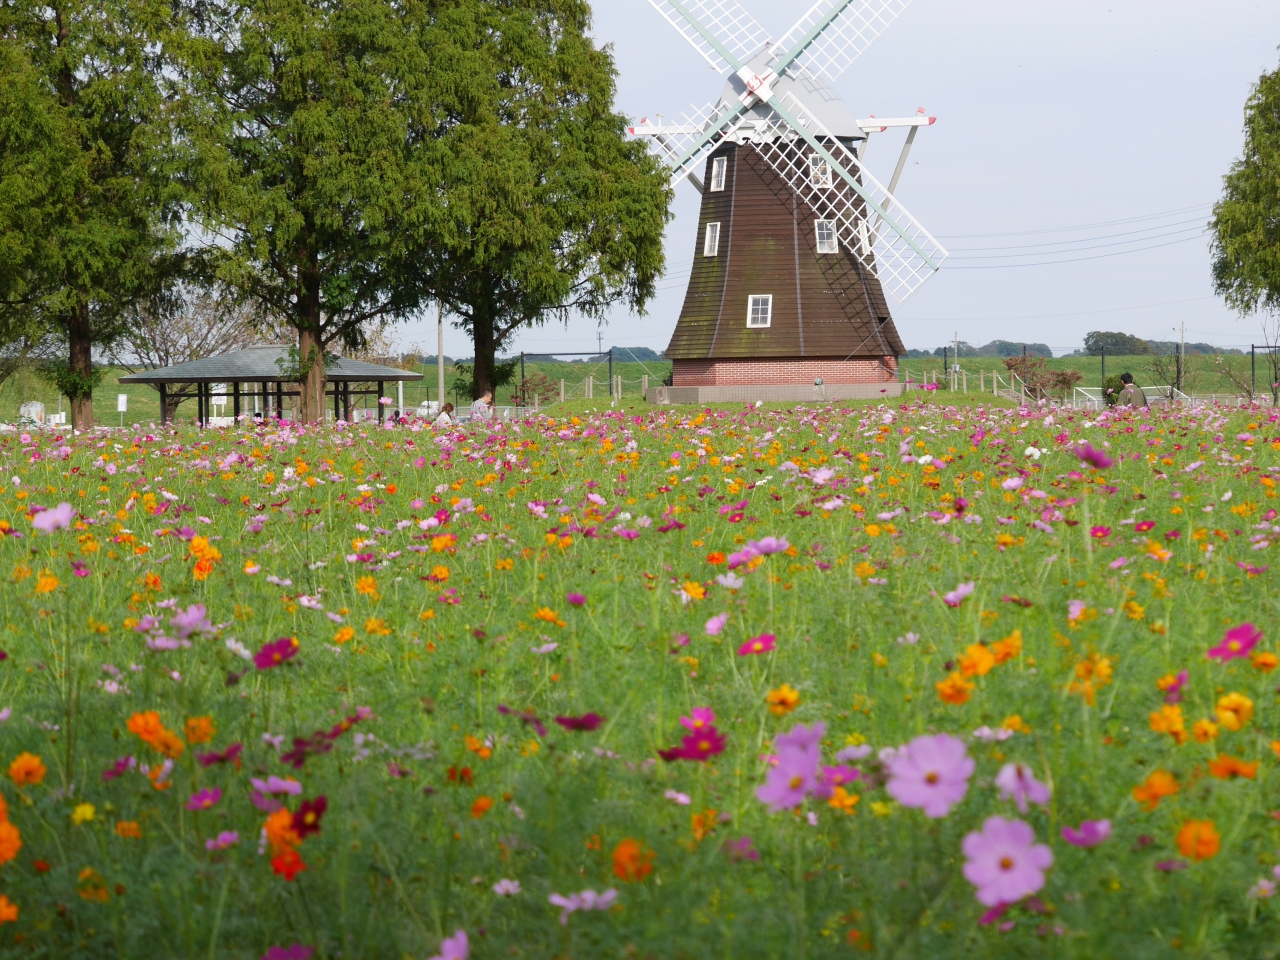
pixel 719 171
pixel 711 240
pixel 759 311
pixel 824 234
pixel 819 171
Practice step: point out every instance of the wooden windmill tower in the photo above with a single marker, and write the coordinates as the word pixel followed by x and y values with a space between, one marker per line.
pixel 797 242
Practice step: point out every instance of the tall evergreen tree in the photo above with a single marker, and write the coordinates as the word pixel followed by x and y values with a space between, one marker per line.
pixel 86 209
pixel 551 209
pixel 1246 221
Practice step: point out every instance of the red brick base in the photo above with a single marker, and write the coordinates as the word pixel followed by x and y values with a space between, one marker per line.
pixel 780 370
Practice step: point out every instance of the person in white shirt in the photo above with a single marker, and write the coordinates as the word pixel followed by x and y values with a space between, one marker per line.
pixel 482 409
pixel 445 419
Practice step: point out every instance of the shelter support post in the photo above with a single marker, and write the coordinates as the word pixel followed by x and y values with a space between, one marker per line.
pixel 279 400
pixel 381 407
pixel 164 404
pixel 235 400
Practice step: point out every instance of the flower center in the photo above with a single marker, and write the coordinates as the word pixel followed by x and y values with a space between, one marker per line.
pixel 1234 645
pixel 931 778
pixel 1006 863
pixel 795 782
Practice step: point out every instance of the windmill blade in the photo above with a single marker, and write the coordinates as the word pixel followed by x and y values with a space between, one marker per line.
pixel 730 27
pixel 830 50
pixel 868 221
pixel 683 145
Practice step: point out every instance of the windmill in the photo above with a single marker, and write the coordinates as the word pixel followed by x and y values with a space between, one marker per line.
pixel 797 241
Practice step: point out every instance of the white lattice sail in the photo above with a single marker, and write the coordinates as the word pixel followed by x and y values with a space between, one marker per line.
pixel 732 26
pixel 843 40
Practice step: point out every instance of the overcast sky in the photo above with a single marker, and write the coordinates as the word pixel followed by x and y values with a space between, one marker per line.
pixel 1078 150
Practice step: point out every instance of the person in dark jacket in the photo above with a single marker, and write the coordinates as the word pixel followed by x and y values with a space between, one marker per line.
pixel 1131 395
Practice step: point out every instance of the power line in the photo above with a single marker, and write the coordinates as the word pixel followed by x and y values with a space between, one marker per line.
pixel 1083 226
pixel 1050 316
pixel 1107 236
pixel 1098 246
pixel 1049 263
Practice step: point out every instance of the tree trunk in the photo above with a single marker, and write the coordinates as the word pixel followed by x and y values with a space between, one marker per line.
pixel 312 385
pixel 482 336
pixel 80 362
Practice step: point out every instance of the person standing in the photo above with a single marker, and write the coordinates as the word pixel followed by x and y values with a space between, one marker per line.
pixel 1131 395
pixel 482 408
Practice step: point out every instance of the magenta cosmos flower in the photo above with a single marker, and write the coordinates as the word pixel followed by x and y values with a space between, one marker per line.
pixel 1018 783
pixel 698 746
pixel 275 653
pixel 204 799
pixel 1092 457
pixel 1090 834
pixel 701 718
pixel 931 773
pixel 761 644
pixel 1004 861
pixel 1237 642
pixel 586 723
pixel 795 774
pixel 573 600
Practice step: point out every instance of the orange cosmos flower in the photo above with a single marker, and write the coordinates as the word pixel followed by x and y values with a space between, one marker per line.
pixel 1168 719
pixel 200 729
pixel 367 587
pixel 631 861
pixel 1234 710
pixel 715 558
pixel 1159 784
pixel 344 634
pixel 287 864
pixel 1008 648
pixel 280 833
pixel 955 689
pixel 1199 839
pixel 1266 662
pixel 1226 767
pixel 783 700
pixel 977 660
pixel 482 806
pixel 128 829
pixel 8 910
pixel 151 731
pixel 27 769
pixel 10 841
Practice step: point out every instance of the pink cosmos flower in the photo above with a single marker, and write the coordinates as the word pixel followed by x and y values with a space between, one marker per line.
pixel 956 596
pixel 1004 862
pixel 454 948
pixel 701 717
pixel 1118 562
pixel 764 643
pixel 1238 642
pixel 795 774
pixel 227 838
pixel 1099 533
pixel 575 599
pixel 930 772
pixel 699 746
pixel 742 557
pixel 54 518
pixel 1090 834
pixel 586 900
pixel 1013 483
pixel 1017 782
pixel 204 799
pixel 716 624
pixel 767 545
pixel 192 620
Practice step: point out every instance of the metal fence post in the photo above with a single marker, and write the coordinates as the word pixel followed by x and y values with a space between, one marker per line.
pixel 1253 369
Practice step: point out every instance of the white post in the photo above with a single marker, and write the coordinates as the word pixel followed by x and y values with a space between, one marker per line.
pixel 965 375
pixel 439 355
pixel 644 385
pixel 400 395
pixel 589 393
pixel 562 391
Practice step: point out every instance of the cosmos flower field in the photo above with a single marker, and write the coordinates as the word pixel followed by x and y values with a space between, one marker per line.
pixel 889 681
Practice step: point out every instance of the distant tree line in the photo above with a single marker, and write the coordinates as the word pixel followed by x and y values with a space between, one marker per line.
pixel 996 348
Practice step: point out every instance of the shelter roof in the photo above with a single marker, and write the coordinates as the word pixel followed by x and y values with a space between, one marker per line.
pixel 260 364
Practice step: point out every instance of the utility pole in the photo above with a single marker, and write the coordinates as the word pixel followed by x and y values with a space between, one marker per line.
pixel 599 344
pixel 1182 356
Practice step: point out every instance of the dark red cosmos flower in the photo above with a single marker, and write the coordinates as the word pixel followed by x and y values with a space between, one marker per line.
pixel 528 716
pixel 1144 526
pixel 318 742
pixel 586 722
pixel 232 753
pixel 1020 601
pixel 698 746
pixel 455 775
pixel 307 820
